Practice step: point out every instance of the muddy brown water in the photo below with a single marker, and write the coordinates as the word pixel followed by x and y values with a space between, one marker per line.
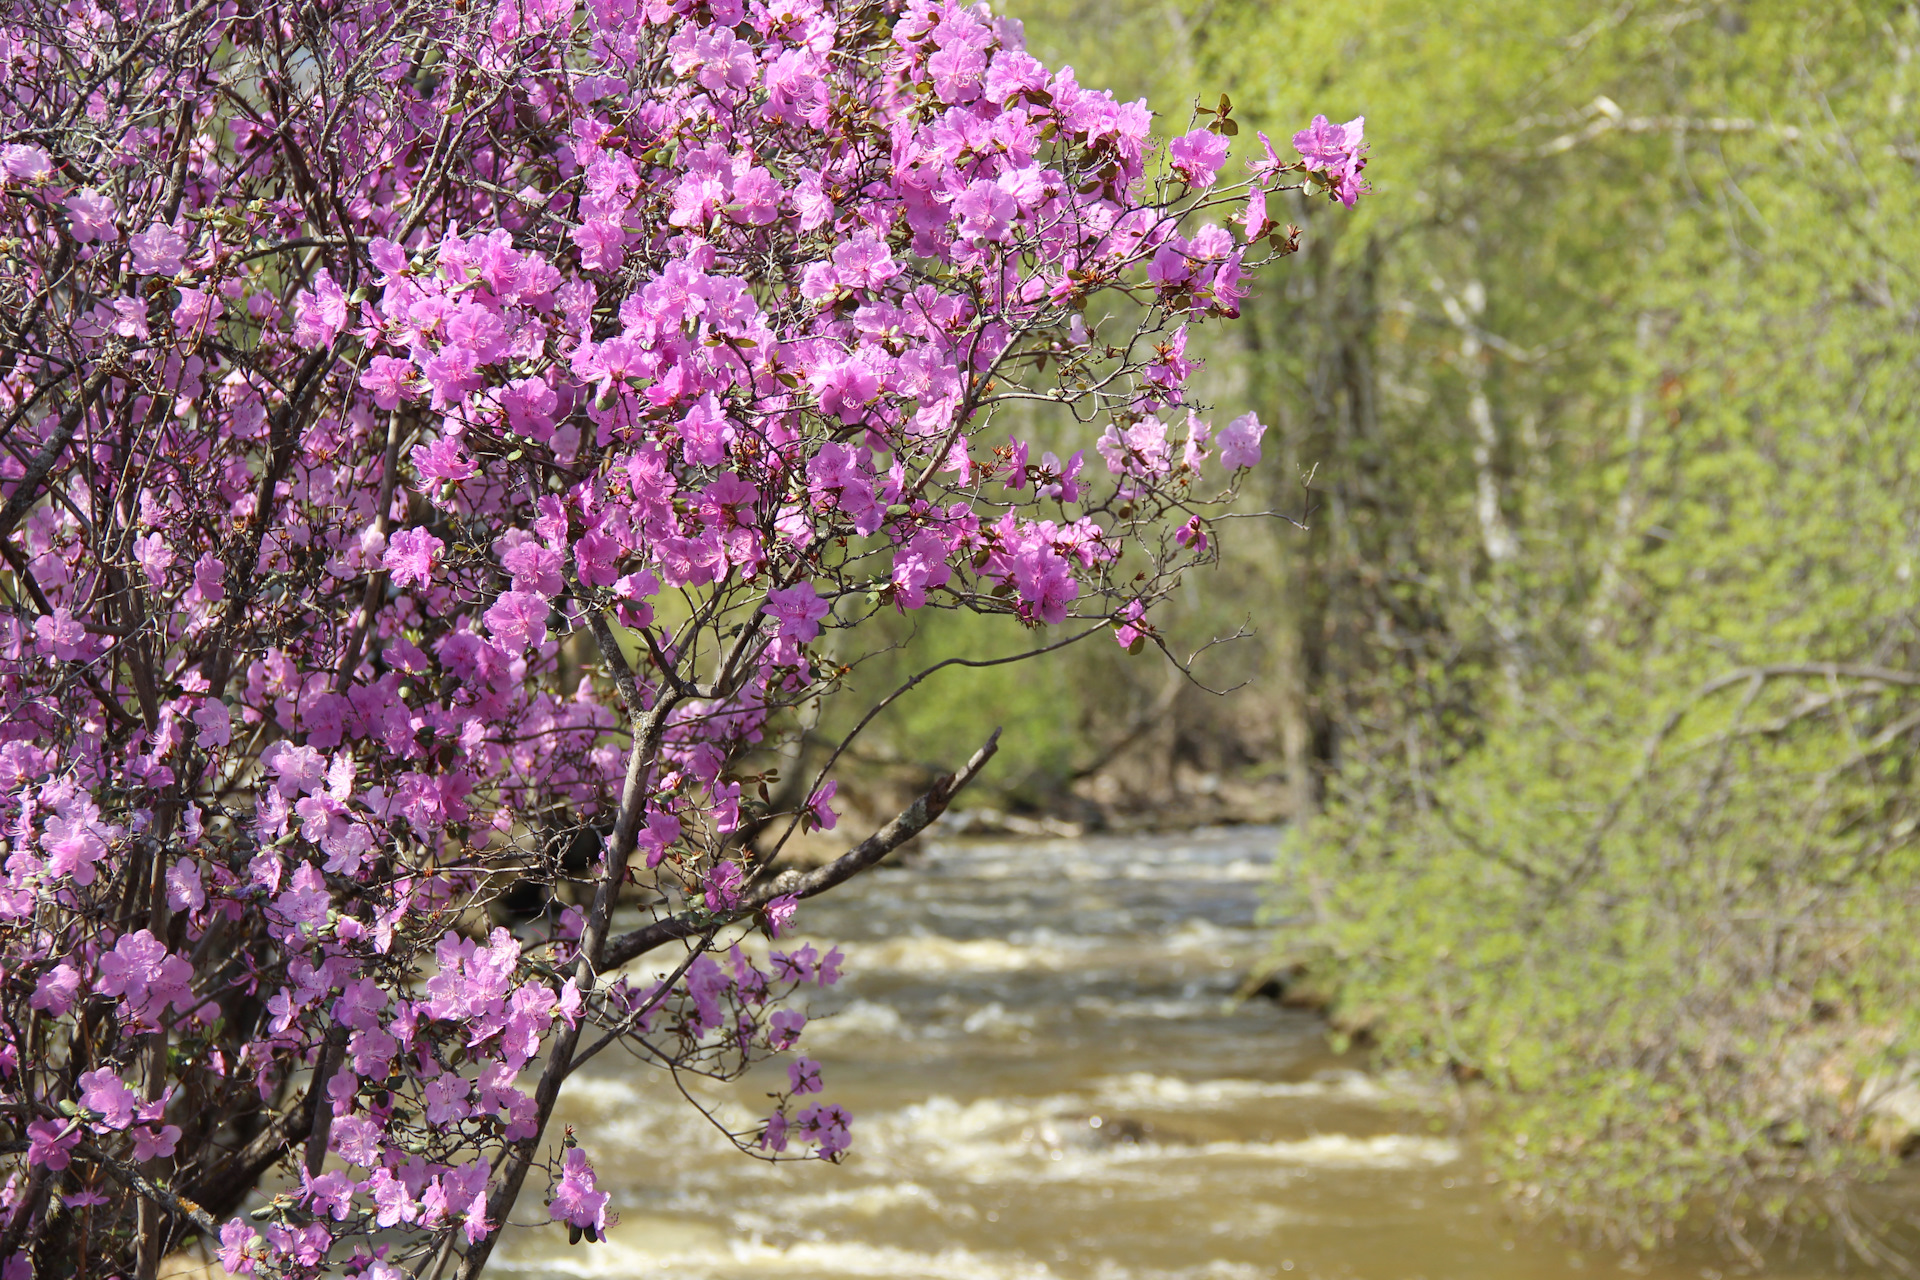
pixel 1047 1081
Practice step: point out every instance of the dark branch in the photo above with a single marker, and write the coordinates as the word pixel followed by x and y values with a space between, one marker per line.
pixel 28 487
pixel 914 819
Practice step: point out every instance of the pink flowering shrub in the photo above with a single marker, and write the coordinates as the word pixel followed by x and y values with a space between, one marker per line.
pixel 446 443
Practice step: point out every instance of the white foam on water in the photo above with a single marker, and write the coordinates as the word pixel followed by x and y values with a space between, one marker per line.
pixel 996 1140
pixel 1322 1151
pixel 1167 1010
pixel 829 1258
pixel 863 1019
pixel 994 1020
pixel 600 1093
pixel 794 1207
pixel 725 1258
pixel 1196 934
pixel 993 1140
pixel 1213 1269
pixel 1240 870
pixel 932 954
pixel 1144 1089
pixel 664 1247
pixel 944 1119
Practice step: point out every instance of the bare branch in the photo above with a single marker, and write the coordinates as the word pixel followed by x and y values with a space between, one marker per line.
pixel 910 822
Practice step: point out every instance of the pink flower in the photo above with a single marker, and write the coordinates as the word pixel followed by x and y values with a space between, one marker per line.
pixel 529 1014
pixel 783 1028
pixel 154 556
pixel 1138 450
pixel 1350 187
pixel 1060 482
pixel 574 1200
pixel 451 372
pixel 146 976
pixel 603 245
pixel 185 892
pixel 444 459
pixel 799 610
pixel 803 1074
pixel 828 1126
pixel 1192 534
pixel 236 1239
pixel 215 723
pixel 410 555
pixel 918 567
pixel 57 990
pixel 392 1204
pixel 596 558
pixel 1197 157
pixel 90 216
pixel 658 835
pixel 73 845
pixel 1239 442
pixel 150 1143
pixel 705 433
pixel 466 1193
pixel 1255 219
pixel 471 977
pixel 957 71
pixel 1129 626
pixel 864 263
pixel 391 380
pixel 319 313
pixel 797 965
pixel 25 164
pixel 530 404
pixel 1043 582
pixel 446 1099
pixel 305 902
pixel 534 566
pixel 829 971
pixel 209 577
pixel 127 317
pixel 986 211
pixel 297 769
pixel 723 887
pixel 307 1245
pixel 844 387
pixel 331 1193
pixel 780 912
pixel 49 1141
pixel 1199 433
pixel 63 633
pixel 197 310
pixel 1324 145
pixel 818 807
pixel 387 257
pixel 1336 151
pixel 1268 163
pixel 158 250
pixel 756 198
pixel 105 1093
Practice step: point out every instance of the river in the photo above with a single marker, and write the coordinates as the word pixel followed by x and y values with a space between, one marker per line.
pixel 1048 1081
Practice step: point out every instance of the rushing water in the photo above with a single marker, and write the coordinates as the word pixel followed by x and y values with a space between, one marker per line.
pixel 1047 1081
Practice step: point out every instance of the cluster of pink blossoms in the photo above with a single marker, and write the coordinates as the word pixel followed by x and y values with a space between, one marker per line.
pixel 450 449
pixel 1334 153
